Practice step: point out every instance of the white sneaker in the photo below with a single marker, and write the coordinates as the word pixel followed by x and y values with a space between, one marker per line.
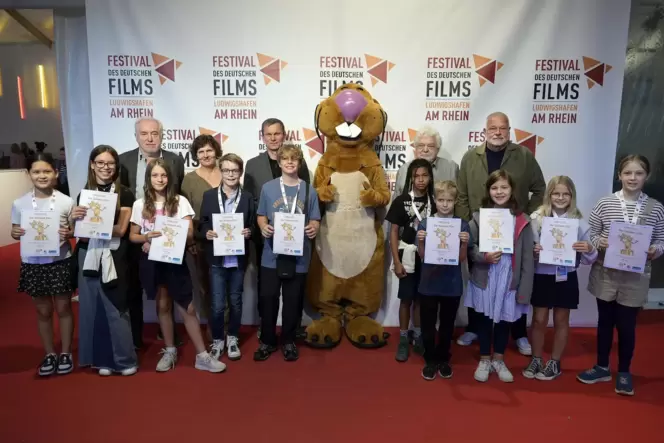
pixel 205 362
pixel 217 349
pixel 233 348
pixel 105 372
pixel 483 370
pixel 504 374
pixel 467 339
pixel 129 371
pixel 167 361
pixel 524 346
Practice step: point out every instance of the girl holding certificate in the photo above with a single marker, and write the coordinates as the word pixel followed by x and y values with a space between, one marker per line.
pixel 105 340
pixel 500 283
pixel 167 282
pixel 47 279
pixel 556 287
pixel 621 293
pixel 226 271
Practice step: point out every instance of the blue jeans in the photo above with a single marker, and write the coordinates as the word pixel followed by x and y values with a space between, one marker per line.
pixel 223 280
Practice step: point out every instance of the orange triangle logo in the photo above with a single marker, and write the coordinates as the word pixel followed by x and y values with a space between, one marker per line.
pixel 520 135
pixel 162 79
pixel 500 65
pixel 371 60
pixel 374 81
pixel 308 133
pixel 589 63
pixel 482 80
pixel 590 83
pixel 158 59
pixel 264 59
pixel 411 135
pixel 539 139
pixel 390 65
pixel 267 79
pixel 283 64
pixel 480 61
pixel 608 68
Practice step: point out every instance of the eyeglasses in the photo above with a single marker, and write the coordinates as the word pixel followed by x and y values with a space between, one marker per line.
pixel 101 165
pixel 230 171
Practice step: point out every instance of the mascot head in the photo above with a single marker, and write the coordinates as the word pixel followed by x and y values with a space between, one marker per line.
pixel 350 116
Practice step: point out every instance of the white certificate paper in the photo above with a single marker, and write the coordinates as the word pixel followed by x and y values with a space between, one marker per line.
pixel 557 237
pixel 98 222
pixel 442 244
pixel 169 247
pixel 41 237
pixel 288 234
pixel 230 240
pixel 496 230
pixel 628 247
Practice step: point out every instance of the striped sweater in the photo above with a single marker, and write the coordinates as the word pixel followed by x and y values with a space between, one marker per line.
pixel 608 209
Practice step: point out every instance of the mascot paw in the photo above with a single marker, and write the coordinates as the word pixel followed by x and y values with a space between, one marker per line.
pixel 326 193
pixel 324 333
pixel 368 196
pixel 365 332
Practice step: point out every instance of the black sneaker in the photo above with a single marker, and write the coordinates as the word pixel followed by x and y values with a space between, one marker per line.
pixel 263 352
pixel 445 370
pixel 290 352
pixel 429 372
pixel 550 371
pixel 65 364
pixel 48 366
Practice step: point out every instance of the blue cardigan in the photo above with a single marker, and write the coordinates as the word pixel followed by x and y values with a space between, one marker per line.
pixel 209 206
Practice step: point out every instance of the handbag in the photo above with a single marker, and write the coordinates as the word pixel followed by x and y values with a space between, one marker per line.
pixel 286 264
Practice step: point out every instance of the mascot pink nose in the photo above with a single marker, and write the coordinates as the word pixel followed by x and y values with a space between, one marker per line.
pixel 350 103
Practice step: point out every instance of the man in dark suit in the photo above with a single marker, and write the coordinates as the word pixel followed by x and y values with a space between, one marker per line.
pixel 263 168
pixel 148 132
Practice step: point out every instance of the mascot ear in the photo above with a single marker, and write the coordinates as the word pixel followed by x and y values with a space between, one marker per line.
pixel 382 134
pixel 317 112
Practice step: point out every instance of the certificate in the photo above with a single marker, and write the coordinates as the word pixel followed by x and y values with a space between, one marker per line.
pixel 496 230
pixel 230 240
pixel 98 222
pixel 288 234
pixel 557 237
pixel 442 244
pixel 628 247
pixel 41 237
pixel 169 247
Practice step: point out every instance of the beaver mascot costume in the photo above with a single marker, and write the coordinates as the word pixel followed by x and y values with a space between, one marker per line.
pixel 346 275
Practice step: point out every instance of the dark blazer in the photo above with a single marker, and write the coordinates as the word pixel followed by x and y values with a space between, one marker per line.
pixel 129 162
pixel 258 172
pixel 209 206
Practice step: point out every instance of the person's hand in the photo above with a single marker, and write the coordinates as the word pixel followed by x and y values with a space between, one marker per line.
pixel 399 270
pixel 267 231
pixel 537 249
pixel 146 247
pixel 582 246
pixel 79 212
pixel 246 232
pixel 464 237
pixel 152 234
pixel 421 235
pixel 603 243
pixel 211 235
pixel 17 232
pixel 493 257
pixel 311 230
pixel 651 252
pixel 65 234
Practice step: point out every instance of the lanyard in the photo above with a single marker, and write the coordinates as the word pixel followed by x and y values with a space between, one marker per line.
pixel 637 209
pixel 417 213
pixel 283 194
pixel 51 206
pixel 235 203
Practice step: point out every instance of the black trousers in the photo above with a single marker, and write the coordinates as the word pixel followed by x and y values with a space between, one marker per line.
pixel 623 318
pixel 291 313
pixel 444 310
pixel 135 296
pixel 493 333
pixel 519 328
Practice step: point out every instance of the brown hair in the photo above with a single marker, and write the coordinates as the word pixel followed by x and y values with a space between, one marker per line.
pixel 443 186
pixel 640 159
pixel 494 177
pixel 92 179
pixel 171 203
pixel 202 141
pixel 233 158
pixel 290 150
pixel 272 121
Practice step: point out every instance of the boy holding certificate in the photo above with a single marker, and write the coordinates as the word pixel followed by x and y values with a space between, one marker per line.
pixel 167 282
pixel 287 213
pixel 621 293
pixel 441 283
pixel 228 201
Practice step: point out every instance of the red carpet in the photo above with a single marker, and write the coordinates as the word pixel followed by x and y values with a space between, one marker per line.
pixel 347 395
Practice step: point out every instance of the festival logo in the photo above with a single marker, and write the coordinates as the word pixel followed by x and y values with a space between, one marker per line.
pixel 476 138
pixel 527 139
pixel 558 87
pixel 235 84
pixel 450 87
pixel 131 86
pixel 339 70
pixel 178 140
pixel 393 153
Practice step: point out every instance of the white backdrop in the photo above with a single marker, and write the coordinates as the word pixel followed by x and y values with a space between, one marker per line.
pixel 202 66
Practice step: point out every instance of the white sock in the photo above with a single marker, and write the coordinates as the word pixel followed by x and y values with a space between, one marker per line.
pixel 172 349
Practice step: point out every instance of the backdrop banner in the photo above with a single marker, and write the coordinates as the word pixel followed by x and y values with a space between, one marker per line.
pixel 221 68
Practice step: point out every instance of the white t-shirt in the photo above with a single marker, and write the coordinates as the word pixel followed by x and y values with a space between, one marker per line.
pixel 184 210
pixel 63 205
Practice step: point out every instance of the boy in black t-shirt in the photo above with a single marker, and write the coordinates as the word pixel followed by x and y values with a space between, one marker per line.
pixel 405 214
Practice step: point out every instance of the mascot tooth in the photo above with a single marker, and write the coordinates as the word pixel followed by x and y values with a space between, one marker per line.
pixel 346 276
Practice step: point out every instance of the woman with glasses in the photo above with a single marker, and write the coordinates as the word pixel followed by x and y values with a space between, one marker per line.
pixel 207 151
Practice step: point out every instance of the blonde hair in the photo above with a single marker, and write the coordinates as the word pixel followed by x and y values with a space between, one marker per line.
pixel 233 158
pixel 442 186
pixel 290 151
pixel 546 210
